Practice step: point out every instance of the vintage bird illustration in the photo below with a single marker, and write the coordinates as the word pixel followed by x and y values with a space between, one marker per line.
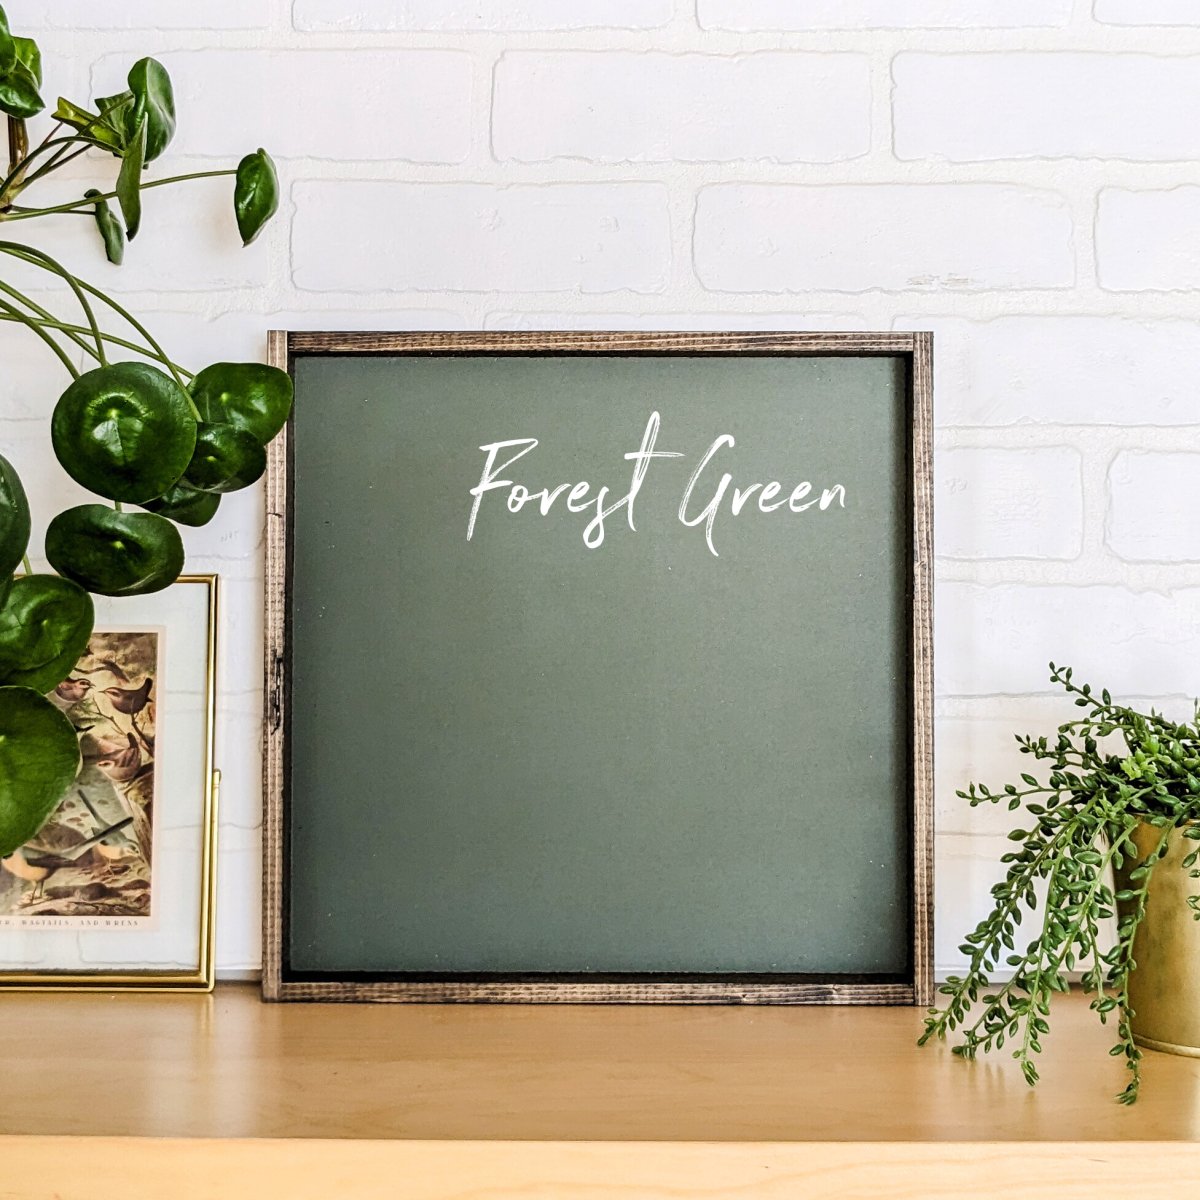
pixel 130 701
pixel 115 847
pixel 70 692
pixel 35 865
pixel 120 763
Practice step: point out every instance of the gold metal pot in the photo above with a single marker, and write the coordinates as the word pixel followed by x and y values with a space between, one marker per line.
pixel 1164 989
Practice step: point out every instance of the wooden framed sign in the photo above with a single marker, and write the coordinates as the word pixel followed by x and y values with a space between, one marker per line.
pixel 599 669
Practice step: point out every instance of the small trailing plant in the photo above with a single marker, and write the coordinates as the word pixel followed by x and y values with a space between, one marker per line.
pixel 145 433
pixel 1111 770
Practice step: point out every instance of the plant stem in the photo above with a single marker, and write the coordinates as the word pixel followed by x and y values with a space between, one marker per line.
pixel 17 170
pixel 37 328
pixel 25 564
pixel 29 252
pixel 18 141
pixel 46 320
pixel 88 202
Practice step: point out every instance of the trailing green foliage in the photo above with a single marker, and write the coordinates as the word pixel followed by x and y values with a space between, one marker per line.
pixel 1111 770
pixel 148 432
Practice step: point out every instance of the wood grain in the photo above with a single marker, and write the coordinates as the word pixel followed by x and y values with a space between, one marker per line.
pixel 917 348
pixel 229 1066
pixel 42 1168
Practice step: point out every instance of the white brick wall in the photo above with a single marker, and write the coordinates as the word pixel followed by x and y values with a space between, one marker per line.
pixel 1020 176
pixel 617 107
pixel 889 237
pixel 973 107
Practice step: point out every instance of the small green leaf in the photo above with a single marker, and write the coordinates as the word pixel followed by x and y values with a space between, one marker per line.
pixel 14 519
pixel 124 431
pixel 8 45
pixel 19 96
pixel 111 232
pixel 30 57
pixel 39 759
pixel 226 459
pixel 154 103
pixel 44 629
pixel 129 180
pixel 185 505
pixel 115 553
pixel 89 124
pixel 255 194
pixel 252 396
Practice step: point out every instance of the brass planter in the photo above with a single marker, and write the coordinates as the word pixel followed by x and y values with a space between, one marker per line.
pixel 1164 989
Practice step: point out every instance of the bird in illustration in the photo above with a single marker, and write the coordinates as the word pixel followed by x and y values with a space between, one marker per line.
pixel 35 865
pixel 115 847
pixel 121 765
pixel 130 701
pixel 70 692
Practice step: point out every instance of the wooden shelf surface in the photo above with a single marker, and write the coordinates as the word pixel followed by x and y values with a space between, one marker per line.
pixel 471 1097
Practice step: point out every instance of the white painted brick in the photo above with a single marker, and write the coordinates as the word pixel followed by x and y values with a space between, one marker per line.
pixel 463 237
pixel 975 107
pixel 1063 370
pixel 617 106
pixel 675 321
pixel 1009 503
pixel 999 639
pixel 408 105
pixel 1149 240
pixel 480 15
pixel 140 14
pixel 749 15
pixel 1147 12
pixel 888 237
pixel 1154 507
pixel 32 378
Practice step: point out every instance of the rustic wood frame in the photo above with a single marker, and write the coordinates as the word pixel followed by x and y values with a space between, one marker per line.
pixel 917 349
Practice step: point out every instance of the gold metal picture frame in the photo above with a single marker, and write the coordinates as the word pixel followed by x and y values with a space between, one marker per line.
pixel 201 977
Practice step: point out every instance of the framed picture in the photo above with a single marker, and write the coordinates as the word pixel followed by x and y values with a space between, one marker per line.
pixel 116 890
pixel 599 669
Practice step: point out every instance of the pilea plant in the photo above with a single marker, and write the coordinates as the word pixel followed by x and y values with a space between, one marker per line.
pixel 145 433
pixel 1111 770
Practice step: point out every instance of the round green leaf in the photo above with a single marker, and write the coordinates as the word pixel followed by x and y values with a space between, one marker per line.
pixel 252 396
pixel 115 553
pixel 124 431
pixel 255 194
pixel 154 100
pixel 14 519
pixel 186 505
pixel 39 759
pixel 44 629
pixel 226 458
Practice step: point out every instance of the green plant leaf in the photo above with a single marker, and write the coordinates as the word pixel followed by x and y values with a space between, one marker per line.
pixel 8 45
pixel 154 103
pixel 124 431
pixel 114 553
pixel 89 125
pixel 44 629
pixel 129 181
pixel 255 194
pixel 111 232
pixel 14 519
pixel 29 56
pixel 39 759
pixel 252 396
pixel 226 459
pixel 185 505
pixel 19 96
